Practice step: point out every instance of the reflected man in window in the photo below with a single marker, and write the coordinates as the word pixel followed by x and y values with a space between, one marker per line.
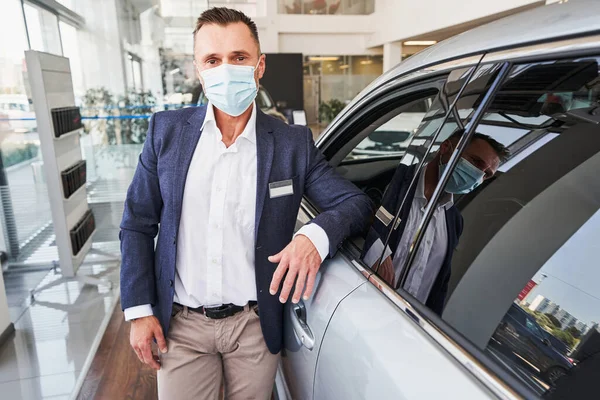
pixel 428 278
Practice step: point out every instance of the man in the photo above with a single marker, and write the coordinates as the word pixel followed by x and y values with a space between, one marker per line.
pixel 428 278
pixel 225 184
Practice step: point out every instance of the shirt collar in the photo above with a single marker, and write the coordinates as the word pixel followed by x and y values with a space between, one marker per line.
pixel 446 199
pixel 249 132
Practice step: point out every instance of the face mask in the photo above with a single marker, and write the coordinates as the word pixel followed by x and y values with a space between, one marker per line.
pixel 230 88
pixel 465 177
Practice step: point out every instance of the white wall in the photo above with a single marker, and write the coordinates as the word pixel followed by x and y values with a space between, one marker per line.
pixel 401 19
pixel 325 44
pixel 4 314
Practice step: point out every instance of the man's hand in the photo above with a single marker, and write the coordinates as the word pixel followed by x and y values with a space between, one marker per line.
pixel 386 271
pixel 300 259
pixel 143 330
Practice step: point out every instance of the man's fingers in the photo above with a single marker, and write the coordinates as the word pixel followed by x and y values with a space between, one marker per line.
pixel 288 284
pixel 299 286
pixel 277 257
pixel 160 340
pixel 310 284
pixel 149 357
pixel 139 354
pixel 278 276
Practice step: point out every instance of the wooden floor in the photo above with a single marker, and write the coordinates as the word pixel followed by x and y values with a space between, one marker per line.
pixel 116 373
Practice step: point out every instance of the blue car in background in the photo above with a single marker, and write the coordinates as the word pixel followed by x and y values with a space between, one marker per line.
pixel 521 340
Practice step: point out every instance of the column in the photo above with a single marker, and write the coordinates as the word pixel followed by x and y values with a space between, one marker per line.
pixel 392 55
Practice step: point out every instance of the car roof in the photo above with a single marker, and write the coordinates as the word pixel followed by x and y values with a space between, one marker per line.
pixel 541 24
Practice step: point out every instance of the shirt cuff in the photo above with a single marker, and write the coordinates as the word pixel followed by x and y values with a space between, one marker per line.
pixel 318 237
pixel 144 310
pixel 374 252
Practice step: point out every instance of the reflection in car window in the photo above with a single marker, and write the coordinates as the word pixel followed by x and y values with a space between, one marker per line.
pixel 529 244
pixel 410 191
pixel 392 137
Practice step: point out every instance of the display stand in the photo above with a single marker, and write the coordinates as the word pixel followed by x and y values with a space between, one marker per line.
pixel 59 127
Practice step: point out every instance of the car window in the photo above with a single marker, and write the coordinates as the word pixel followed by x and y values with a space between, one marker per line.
pixel 533 328
pixel 390 238
pixel 391 138
pixel 518 315
pixel 529 234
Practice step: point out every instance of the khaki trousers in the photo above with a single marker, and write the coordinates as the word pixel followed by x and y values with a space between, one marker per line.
pixel 203 351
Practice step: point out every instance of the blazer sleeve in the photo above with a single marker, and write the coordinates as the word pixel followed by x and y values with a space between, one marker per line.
pixel 139 227
pixel 345 209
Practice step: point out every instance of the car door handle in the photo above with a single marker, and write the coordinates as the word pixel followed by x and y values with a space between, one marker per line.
pixel 301 328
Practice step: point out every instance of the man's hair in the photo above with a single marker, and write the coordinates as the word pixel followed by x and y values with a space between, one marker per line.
pixel 500 149
pixel 224 16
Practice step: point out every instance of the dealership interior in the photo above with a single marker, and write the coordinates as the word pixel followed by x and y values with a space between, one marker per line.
pixel 62 330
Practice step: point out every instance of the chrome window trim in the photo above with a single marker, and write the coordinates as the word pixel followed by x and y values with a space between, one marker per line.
pixel 460 146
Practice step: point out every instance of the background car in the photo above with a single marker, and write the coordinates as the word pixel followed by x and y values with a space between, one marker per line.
pixel 522 340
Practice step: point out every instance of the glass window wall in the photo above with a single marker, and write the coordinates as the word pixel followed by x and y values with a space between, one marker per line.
pixel 42 26
pixel 331 7
pixel 331 82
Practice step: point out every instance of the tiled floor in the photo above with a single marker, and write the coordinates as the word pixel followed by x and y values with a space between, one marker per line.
pixel 54 336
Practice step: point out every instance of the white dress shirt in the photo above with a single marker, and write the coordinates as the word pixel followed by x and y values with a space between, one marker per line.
pixel 432 251
pixel 215 242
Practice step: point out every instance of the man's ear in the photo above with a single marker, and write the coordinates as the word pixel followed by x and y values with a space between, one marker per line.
pixel 262 66
pixel 446 147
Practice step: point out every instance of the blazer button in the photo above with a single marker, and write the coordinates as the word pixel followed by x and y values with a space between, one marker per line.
pixel 171 282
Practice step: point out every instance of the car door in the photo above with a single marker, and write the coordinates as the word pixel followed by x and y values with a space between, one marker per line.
pixel 377 345
pixel 305 323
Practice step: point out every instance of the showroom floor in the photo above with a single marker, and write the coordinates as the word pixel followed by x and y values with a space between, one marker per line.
pixel 55 334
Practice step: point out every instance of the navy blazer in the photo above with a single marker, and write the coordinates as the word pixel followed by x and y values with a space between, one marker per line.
pixel 392 200
pixel 156 193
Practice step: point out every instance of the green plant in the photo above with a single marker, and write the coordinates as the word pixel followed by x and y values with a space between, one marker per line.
pixel 100 103
pixel 565 337
pixel 328 110
pixel 133 107
pixel 137 105
pixel 12 155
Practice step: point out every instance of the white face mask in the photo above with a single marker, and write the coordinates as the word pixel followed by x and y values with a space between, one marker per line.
pixel 230 88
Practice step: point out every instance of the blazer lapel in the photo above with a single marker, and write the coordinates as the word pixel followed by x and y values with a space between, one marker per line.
pixel 265 147
pixel 187 142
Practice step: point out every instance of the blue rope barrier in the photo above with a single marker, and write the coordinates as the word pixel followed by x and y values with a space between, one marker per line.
pixel 146 116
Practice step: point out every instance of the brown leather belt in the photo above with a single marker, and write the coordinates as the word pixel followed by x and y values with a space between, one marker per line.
pixel 220 312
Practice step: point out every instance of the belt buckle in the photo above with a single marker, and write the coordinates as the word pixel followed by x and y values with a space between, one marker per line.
pixel 218 312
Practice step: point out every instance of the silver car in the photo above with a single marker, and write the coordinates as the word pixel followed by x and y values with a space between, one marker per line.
pixel 530 235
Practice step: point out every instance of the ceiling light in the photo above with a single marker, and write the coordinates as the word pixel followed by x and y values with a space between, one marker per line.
pixel 323 58
pixel 174 71
pixel 345 66
pixel 366 62
pixel 420 42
